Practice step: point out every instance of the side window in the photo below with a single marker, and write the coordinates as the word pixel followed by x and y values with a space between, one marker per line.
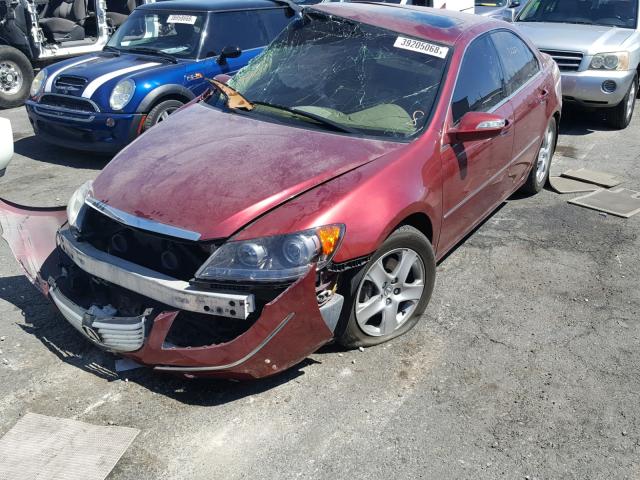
pixel 480 84
pixel 274 21
pixel 520 64
pixel 246 29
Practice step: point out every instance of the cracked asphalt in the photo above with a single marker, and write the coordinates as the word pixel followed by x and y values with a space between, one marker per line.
pixel 525 365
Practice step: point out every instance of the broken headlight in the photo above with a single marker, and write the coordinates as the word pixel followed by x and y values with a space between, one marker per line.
pixel 76 203
pixel 273 259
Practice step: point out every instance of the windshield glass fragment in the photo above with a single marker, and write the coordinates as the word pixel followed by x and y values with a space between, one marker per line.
pixel 363 78
pixel 611 13
pixel 170 33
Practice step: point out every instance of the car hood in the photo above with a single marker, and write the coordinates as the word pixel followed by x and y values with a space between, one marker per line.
pixel 103 71
pixel 588 39
pixel 213 172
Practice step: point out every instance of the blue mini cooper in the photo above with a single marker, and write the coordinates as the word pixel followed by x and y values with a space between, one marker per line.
pixel 157 61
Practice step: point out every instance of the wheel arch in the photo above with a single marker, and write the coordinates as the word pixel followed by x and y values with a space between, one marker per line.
pixel 421 222
pixel 165 92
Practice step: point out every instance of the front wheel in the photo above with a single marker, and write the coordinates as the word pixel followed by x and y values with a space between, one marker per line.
pixel 539 173
pixel 390 293
pixel 620 115
pixel 161 112
pixel 16 75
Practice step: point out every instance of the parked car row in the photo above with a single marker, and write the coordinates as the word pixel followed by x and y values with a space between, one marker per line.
pixel 305 199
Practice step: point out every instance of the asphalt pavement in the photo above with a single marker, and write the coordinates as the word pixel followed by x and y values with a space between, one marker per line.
pixel 526 364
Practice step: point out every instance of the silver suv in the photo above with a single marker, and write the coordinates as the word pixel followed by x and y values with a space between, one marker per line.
pixel 596 44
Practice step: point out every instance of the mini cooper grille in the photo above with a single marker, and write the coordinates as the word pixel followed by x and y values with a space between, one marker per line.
pixel 567 61
pixel 68 81
pixel 70 103
pixel 174 257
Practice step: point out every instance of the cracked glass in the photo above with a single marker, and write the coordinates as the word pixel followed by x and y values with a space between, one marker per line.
pixel 329 72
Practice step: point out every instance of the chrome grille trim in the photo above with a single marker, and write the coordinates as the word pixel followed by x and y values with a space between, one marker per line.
pixel 567 61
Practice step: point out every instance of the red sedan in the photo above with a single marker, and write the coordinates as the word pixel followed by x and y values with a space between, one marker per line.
pixel 307 198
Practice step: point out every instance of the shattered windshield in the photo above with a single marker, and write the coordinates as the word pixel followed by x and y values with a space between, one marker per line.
pixel 610 13
pixel 359 78
pixel 171 33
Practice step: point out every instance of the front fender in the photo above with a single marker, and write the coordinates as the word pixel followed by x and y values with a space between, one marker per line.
pixel 162 91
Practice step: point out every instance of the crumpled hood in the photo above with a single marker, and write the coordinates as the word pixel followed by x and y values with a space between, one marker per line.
pixel 103 71
pixel 213 172
pixel 588 39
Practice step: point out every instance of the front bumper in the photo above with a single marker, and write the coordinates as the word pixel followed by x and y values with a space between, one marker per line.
pixel 287 330
pixel 586 88
pixel 83 131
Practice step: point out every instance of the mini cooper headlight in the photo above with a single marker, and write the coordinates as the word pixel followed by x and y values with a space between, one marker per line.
pixel 610 61
pixel 122 94
pixel 273 259
pixel 76 203
pixel 38 83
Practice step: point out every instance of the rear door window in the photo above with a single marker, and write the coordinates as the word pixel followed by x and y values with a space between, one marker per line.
pixel 519 62
pixel 480 84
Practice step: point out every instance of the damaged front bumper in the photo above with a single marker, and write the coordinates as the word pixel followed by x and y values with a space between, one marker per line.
pixel 280 335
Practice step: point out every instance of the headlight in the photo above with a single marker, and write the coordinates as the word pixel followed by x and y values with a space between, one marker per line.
pixel 122 94
pixel 610 61
pixel 76 203
pixel 38 83
pixel 272 259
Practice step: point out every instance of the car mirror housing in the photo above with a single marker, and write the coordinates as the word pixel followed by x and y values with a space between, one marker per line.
pixel 477 126
pixel 6 144
pixel 509 14
pixel 229 52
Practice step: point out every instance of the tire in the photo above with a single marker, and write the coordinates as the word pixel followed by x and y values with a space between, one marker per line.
pixel 403 243
pixel 160 112
pixel 16 75
pixel 539 174
pixel 620 115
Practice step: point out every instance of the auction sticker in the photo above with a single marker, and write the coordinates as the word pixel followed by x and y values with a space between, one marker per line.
pixel 188 19
pixel 421 47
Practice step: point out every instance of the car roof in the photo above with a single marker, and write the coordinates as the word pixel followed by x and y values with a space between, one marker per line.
pixel 211 5
pixel 444 26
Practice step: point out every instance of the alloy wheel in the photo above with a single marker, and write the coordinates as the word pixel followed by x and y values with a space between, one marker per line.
pixel 544 155
pixel 389 292
pixel 10 78
pixel 631 101
pixel 164 115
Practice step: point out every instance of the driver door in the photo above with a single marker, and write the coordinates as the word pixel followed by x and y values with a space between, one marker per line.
pixel 473 170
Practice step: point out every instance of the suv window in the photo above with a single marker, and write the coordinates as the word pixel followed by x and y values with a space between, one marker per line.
pixel 519 62
pixel 246 29
pixel 480 84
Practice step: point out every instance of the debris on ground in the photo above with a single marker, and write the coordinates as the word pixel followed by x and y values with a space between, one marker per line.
pixel 568 185
pixel 603 179
pixel 621 202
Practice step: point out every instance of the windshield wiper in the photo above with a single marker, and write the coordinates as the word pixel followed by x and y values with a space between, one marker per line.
pixel 234 99
pixel 114 50
pixel 152 51
pixel 318 118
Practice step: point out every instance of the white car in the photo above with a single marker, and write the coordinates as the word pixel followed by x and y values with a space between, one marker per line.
pixel 6 144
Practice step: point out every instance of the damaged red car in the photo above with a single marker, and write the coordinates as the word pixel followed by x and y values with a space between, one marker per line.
pixel 306 199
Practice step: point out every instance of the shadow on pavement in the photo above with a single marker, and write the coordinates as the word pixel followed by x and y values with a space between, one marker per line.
pixel 579 122
pixel 35 149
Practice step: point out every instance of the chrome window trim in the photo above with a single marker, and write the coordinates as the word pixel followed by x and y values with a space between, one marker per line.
pixel 141 223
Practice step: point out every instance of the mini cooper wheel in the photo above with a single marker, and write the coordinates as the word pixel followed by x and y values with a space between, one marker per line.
pixel 161 112
pixel 620 115
pixel 390 293
pixel 16 75
pixel 539 173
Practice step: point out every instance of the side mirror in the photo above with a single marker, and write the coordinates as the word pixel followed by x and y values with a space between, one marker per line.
pixel 509 14
pixel 222 78
pixel 6 144
pixel 228 52
pixel 477 126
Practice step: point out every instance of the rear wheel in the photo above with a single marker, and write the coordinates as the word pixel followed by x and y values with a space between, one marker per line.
pixel 16 75
pixel 390 293
pixel 539 173
pixel 620 115
pixel 161 112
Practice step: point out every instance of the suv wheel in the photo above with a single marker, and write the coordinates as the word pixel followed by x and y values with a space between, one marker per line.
pixel 161 112
pixel 16 75
pixel 620 115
